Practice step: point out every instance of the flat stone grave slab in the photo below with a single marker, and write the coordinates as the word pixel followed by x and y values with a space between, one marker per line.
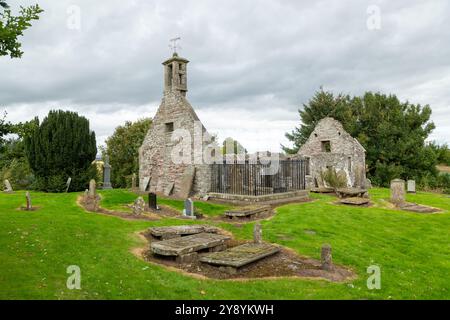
pixel 356 201
pixel 247 212
pixel 179 231
pixel 242 255
pixel 189 244
pixel 414 207
pixel 322 190
pixel 350 192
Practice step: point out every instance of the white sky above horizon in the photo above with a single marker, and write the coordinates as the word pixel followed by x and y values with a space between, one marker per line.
pixel 252 66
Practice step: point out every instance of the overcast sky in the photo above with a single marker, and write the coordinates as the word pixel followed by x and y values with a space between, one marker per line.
pixel 252 64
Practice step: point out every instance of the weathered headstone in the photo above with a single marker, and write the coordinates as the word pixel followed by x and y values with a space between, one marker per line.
pixel 28 197
pixel 169 188
pixel 133 182
pixel 86 195
pixel 152 201
pixel 186 182
pixel 411 186
pixel 107 174
pixel 257 233
pixel 326 258
pixel 189 207
pixel 368 184
pixel 69 180
pixel 144 185
pixel 397 191
pixel 8 188
pixel 139 206
pixel 92 188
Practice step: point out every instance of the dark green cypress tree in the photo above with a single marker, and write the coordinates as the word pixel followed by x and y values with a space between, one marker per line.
pixel 62 146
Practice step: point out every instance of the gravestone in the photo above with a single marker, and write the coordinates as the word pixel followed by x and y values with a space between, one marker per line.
pixel 133 182
pixel 411 186
pixel 139 206
pixel 28 197
pixel 152 202
pixel 257 233
pixel 397 191
pixel 169 188
pixel 107 174
pixel 8 188
pixel 69 180
pixel 145 182
pixel 189 208
pixel 186 182
pixel 326 258
pixel 86 195
pixel 368 184
pixel 92 188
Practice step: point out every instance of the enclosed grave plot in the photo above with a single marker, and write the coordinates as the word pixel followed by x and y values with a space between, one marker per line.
pixel 185 249
pixel 234 258
pixel 165 233
pixel 249 213
pixel 285 263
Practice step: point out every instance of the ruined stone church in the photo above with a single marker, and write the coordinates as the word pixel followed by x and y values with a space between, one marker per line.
pixel 159 170
pixel 330 146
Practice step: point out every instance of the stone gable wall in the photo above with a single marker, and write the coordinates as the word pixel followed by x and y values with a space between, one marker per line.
pixel 155 159
pixel 343 146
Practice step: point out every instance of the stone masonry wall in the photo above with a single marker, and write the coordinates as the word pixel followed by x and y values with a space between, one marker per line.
pixel 155 155
pixel 346 153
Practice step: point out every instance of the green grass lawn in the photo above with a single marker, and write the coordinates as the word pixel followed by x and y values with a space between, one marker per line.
pixel 412 250
pixel 118 199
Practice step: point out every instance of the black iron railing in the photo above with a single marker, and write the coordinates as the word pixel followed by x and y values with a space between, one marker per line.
pixel 257 179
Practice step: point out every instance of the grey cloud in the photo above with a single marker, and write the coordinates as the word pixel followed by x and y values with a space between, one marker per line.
pixel 261 58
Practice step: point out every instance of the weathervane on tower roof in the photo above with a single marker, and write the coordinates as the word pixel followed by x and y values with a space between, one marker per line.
pixel 174 45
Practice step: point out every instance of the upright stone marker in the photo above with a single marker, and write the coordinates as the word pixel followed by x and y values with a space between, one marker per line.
pixel 139 206
pixel 29 206
pixel 8 188
pixel 189 207
pixel 326 258
pixel 69 180
pixel 257 233
pixel 397 191
pixel 92 188
pixel 107 174
pixel 186 182
pixel 145 182
pixel 411 186
pixel 133 182
pixel 152 202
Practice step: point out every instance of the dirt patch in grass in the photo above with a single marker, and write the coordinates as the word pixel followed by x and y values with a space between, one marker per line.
pixel 284 264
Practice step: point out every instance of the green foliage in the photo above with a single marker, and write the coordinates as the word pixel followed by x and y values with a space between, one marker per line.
pixel 12 27
pixel 123 150
pixel 231 146
pixel 14 165
pixel 5 127
pixel 392 132
pixel 442 153
pixel 334 179
pixel 62 146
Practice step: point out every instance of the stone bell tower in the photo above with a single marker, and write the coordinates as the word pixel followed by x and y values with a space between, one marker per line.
pixel 175 74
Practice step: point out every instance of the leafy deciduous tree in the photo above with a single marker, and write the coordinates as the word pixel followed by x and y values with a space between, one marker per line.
pixel 12 27
pixel 123 150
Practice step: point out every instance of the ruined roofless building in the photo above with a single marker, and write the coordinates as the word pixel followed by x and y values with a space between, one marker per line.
pixel 158 172
pixel 330 146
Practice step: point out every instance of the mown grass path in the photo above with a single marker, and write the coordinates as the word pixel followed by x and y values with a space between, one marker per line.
pixel 412 250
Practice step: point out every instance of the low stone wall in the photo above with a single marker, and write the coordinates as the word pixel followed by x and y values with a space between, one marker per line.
pixel 263 198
